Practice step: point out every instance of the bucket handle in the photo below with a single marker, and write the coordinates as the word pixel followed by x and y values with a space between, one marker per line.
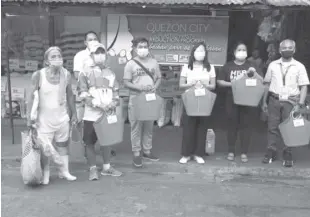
pixel 293 115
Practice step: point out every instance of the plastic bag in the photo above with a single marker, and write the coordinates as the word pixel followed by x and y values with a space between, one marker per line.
pixel 177 111
pixel 31 170
pixel 165 113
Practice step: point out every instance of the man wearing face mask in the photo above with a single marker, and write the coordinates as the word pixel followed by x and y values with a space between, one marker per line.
pixel 137 81
pixel 99 89
pixel 286 80
pixel 53 84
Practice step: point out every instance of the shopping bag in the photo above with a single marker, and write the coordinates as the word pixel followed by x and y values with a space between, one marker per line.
pixel 165 113
pixel 198 101
pixel 295 131
pixel 248 91
pixel 109 128
pixel 147 106
pixel 30 169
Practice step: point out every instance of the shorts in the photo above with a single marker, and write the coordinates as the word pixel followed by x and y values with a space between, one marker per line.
pixel 60 136
pixel 89 133
pixel 80 108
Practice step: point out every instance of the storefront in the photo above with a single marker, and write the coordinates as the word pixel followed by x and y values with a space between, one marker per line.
pixel 172 27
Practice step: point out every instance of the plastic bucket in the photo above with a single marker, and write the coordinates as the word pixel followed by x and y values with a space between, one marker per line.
pixel 295 131
pixel 248 91
pixel 147 107
pixel 110 128
pixel 198 102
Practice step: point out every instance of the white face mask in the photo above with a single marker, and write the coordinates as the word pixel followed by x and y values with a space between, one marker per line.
pixel 56 63
pixel 99 59
pixel 143 52
pixel 199 55
pixel 241 55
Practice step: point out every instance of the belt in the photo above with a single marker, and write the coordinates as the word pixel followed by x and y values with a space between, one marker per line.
pixel 291 99
pixel 274 95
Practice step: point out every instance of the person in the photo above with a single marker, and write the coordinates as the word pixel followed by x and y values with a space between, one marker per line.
pixel 198 72
pixel 286 80
pixel 257 61
pixel 239 117
pixel 138 81
pixel 95 73
pixel 53 83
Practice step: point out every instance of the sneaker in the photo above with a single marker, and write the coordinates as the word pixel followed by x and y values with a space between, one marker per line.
pixel 184 160
pixel 111 172
pixel 150 157
pixel 244 158
pixel 93 174
pixel 137 161
pixel 270 156
pixel 231 157
pixel 199 160
pixel 287 159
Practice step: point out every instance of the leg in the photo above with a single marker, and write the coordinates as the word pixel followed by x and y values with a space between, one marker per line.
pixel 90 139
pixel 62 146
pixel 107 170
pixel 201 136
pixel 232 127
pixel 189 137
pixel 147 140
pixel 273 135
pixel 246 114
pixel 45 162
pixel 287 152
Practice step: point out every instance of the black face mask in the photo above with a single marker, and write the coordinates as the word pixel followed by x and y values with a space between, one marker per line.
pixel 288 54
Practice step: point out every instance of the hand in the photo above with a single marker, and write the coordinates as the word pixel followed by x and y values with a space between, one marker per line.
pixel 30 124
pixel 251 72
pixel 88 101
pixel 74 120
pixel 297 108
pixel 199 84
pixel 265 107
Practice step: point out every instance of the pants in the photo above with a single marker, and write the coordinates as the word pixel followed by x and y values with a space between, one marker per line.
pixel 90 139
pixel 141 131
pixel 60 138
pixel 194 135
pixel 278 111
pixel 239 122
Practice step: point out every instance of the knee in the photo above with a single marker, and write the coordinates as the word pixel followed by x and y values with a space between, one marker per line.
pixel 62 148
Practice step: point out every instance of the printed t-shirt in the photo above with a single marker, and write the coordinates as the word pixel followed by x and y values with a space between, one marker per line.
pixel 198 73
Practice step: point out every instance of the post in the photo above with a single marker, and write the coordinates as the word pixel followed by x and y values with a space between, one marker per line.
pixel 9 79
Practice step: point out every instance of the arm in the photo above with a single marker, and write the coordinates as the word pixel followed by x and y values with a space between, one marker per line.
pixel 183 79
pixel 158 76
pixel 267 81
pixel 116 100
pixel 303 82
pixel 71 100
pixel 303 94
pixel 212 83
pixel 222 78
pixel 83 89
pixel 34 86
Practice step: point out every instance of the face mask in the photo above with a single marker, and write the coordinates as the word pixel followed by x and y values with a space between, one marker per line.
pixel 199 56
pixel 99 58
pixel 241 55
pixel 287 54
pixel 143 52
pixel 56 63
pixel 91 43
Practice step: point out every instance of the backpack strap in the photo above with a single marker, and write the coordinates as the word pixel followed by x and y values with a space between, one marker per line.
pixel 145 69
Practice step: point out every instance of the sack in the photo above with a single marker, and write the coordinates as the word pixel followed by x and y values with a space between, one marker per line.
pixel 109 128
pixel 248 91
pixel 177 112
pixel 147 106
pixel 30 169
pixel 295 131
pixel 198 102
pixel 165 113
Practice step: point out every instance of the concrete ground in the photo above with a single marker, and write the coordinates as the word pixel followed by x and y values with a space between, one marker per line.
pixel 164 188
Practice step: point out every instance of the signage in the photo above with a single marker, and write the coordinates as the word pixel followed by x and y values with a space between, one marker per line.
pixel 14 64
pixel 31 65
pixel 18 93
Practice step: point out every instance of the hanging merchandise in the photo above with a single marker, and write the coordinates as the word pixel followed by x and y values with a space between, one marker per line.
pixel 270 28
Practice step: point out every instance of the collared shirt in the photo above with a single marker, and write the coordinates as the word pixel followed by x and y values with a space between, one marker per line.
pixel 290 75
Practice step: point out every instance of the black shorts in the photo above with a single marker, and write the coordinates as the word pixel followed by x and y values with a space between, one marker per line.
pixel 89 133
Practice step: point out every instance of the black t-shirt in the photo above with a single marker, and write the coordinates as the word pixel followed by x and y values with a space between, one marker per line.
pixel 231 71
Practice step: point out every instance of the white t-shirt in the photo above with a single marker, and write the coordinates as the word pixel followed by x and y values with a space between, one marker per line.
pixel 198 73
pixel 79 59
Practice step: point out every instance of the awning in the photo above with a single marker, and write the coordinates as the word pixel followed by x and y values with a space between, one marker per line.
pixel 167 2
pixel 284 3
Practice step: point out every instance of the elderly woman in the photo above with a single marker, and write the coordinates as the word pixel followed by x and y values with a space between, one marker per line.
pixel 56 109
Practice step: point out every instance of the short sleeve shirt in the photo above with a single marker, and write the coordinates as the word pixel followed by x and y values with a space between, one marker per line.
pixel 79 59
pixel 290 75
pixel 197 73
pixel 134 73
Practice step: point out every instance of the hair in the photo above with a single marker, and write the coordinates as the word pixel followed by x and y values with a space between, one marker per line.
pixel 191 60
pixel 288 41
pixel 100 50
pixel 88 33
pixel 238 44
pixel 47 52
pixel 139 40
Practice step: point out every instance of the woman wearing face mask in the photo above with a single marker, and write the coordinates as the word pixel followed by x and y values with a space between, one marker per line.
pixel 198 73
pixel 53 85
pixel 239 117
pixel 99 89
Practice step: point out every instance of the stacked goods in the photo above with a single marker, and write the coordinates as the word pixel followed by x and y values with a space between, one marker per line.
pixel 33 48
pixel 70 44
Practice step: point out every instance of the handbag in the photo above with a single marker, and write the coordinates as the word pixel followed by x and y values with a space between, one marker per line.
pixel 295 131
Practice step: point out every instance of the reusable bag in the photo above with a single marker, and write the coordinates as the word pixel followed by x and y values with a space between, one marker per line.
pixel 30 169
pixel 295 131
pixel 248 91
pixel 147 106
pixel 109 128
pixel 198 101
